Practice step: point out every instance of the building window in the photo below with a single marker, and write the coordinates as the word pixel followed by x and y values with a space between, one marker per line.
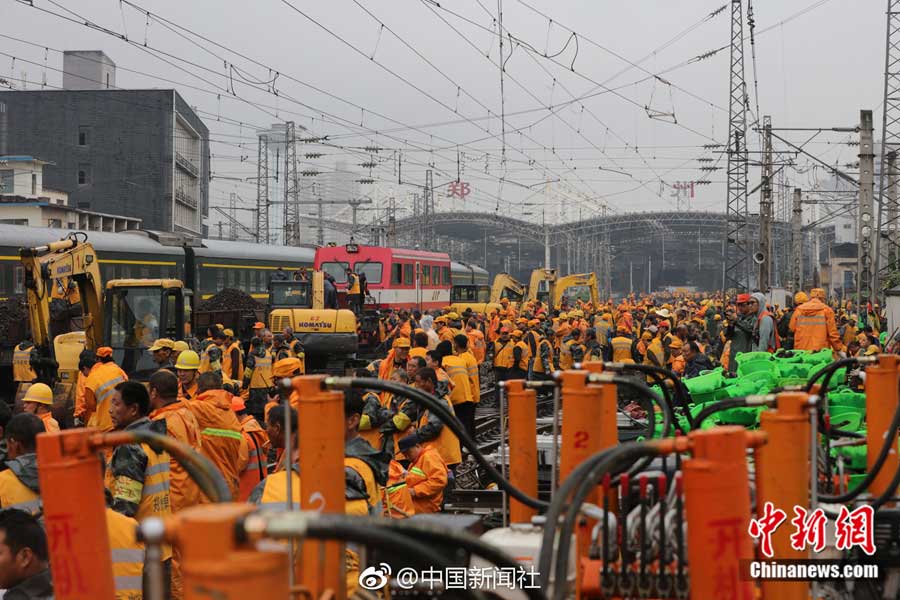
pixel 34 184
pixel 6 181
pixel 54 223
pixel 84 138
pixel 84 174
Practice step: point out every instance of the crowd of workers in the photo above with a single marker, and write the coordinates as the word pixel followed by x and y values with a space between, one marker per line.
pixel 220 399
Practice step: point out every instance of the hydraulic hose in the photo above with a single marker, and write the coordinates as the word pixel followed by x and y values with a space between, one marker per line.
pixel 614 463
pixel 831 368
pixel 568 486
pixel 439 408
pixel 715 407
pixel 678 386
pixel 863 485
pixel 201 469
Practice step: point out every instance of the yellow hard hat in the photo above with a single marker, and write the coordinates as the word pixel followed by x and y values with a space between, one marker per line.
pixel 180 346
pixel 40 393
pixel 453 316
pixel 188 360
pixel 228 333
pixel 161 344
pixel 800 298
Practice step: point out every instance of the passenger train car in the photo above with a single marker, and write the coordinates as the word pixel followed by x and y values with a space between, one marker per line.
pixel 397 277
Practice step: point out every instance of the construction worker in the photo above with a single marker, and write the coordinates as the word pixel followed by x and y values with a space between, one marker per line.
pixel 695 361
pixel 460 390
pixel 257 378
pixel 86 361
pixel 99 387
pixel 398 502
pixel 476 340
pixel 521 355
pixel 187 369
pixel 220 430
pixel 445 334
pixel 177 348
pixel 430 428
pixel 739 330
pixel 271 492
pixel 542 359
pixel 127 555
pixel 181 424
pixel 25 569
pixel 503 355
pixel 19 482
pixel 295 346
pixel 38 401
pixel 162 353
pixel 593 350
pixel 216 340
pixel 656 354
pixel 396 358
pixel 678 360
pixel 427 474
pixel 572 350
pixel 257 448
pixel 365 468
pixel 419 343
pixel 284 368
pixel 22 371
pixel 136 479
pixel 814 327
pixel 232 357
pixel 354 292
pixel 462 350
pixel 765 335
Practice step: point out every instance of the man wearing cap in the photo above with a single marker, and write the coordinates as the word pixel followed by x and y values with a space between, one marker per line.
pixel 427 474
pixel 38 401
pixel 521 355
pixel 623 346
pixel 257 378
pixel 162 353
pixel 99 388
pixel 232 357
pixel 678 361
pixel 503 355
pixel 740 330
pixel 813 325
pixel 395 360
pixel 257 448
pixel 284 368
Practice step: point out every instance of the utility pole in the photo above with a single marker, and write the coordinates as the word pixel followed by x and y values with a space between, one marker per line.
pixel 890 143
pixel 232 210
pixel 392 224
pixel 320 225
pixel 763 256
pixel 291 187
pixel 866 232
pixel 736 243
pixel 797 242
pixel 893 226
pixel 262 190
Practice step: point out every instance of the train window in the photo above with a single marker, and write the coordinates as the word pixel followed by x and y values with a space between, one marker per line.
pixel 446 275
pixel 145 273
pixel 371 269
pixel 396 274
pixel 242 279
pixel 230 278
pixel 426 275
pixel 436 276
pixel 220 280
pixel 338 270
pixel 408 275
pixel 19 287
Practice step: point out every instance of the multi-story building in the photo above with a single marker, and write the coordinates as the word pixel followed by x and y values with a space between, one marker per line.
pixel 140 153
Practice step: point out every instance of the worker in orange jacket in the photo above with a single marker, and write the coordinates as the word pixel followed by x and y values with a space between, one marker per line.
pixel 257 449
pixel 220 431
pixel 813 324
pixel 99 388
pixel 398 503
pixel 427 475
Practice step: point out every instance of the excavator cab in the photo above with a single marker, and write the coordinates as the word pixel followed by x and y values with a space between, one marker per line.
pixel 137 313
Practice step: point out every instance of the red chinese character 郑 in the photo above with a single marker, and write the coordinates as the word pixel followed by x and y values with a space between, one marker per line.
pixel 460 189
pixel 856 528
pixel 809 529
pixel 763 528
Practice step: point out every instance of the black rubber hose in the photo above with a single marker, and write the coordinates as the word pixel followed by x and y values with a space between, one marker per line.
pixel 566 488
pixel 611 465
pixel 863 485
pixel 439 408
pixel 201 469
pixel 680 390
pixel 715 407
pixel 827 369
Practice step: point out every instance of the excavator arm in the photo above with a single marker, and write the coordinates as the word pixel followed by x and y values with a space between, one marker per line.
pixel 70 259
pixel 506 286
pixel 582 285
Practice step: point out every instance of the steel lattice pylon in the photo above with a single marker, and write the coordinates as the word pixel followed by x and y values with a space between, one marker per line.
pixel 889 216
pixel 291 187
pixel 262 190
pixel 737 263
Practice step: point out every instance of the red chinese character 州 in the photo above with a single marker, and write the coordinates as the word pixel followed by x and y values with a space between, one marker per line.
pixel 856 528
pixel 809 529
pixel 765 526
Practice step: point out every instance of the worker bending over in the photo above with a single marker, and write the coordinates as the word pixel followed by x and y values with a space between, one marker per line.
pixel 427 474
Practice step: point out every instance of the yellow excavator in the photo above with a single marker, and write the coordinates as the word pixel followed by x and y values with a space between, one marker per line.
pixel 570 289
pixel 329 336
pixel 136 312
pixel 541 286
pixel 483 300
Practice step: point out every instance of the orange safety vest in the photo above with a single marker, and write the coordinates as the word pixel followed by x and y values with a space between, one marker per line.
pixel 428 478
pixel 98 393
pixel 476 345
pixel 220 431
pixel 257 448
pixel 458 372
pixel 503 354
pixel 398 504
pixel 182 425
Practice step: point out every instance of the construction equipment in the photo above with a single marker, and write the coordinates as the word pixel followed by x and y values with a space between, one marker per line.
pixel 572 288
pixel 481 299
pixel 329 336
pixel 541 285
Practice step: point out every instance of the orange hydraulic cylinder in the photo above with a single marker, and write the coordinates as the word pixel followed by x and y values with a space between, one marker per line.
pixel 581 423
pixel 320 439
pixel 214 565
pixel 782 478
pixel 522 447
pixel 71 476
pixel 717 505
pixel 882 381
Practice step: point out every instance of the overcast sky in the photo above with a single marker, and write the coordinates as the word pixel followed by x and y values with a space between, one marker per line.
pixel 421 83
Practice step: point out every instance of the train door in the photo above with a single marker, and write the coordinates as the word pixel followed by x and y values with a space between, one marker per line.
pixel 419 285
